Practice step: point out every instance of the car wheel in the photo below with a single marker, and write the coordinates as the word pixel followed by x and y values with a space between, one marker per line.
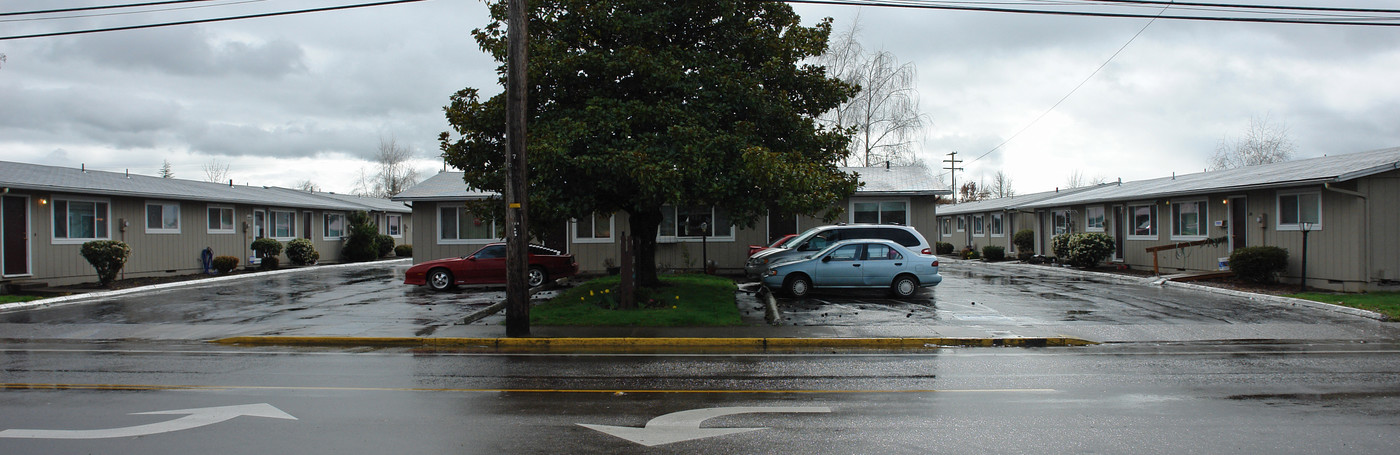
pixel 904 286
pixel 537 276
pixel 798 286
pixel 440 279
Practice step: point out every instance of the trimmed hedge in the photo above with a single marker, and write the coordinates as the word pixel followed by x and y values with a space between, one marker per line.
pixel 302 252
pixel 1259 264
pixel 994 253
pixel 943 248
pixel 1024 240
pixel 108 257
pixel 225 264
pixel 1083 250
pixel 385 244
pixel 269 263
pixel 266 247
pixel 403 251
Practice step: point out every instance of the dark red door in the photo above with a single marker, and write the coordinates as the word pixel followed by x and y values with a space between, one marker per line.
pixel 14 217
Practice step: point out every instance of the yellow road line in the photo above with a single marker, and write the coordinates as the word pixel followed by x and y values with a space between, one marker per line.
pixel 128 387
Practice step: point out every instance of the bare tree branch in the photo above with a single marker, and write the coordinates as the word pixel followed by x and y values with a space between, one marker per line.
pixel 1001 185
pixel 1264 142
pixel 884 117
pixel 394 174
pixel 215 171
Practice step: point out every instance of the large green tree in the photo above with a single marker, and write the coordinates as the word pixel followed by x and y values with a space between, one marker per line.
pixel 639 104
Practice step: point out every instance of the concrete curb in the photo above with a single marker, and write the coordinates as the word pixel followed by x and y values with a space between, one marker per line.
pixel 660 342
pixel 1158 281
pixel 42 303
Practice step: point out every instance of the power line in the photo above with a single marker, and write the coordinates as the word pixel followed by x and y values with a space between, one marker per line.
pixel 1288 18
pixel 100 7
pixel 124 13
pixel 203 21
pixel 1072 91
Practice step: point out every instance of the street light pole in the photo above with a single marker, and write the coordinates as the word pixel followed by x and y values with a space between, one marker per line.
pixel 1304 226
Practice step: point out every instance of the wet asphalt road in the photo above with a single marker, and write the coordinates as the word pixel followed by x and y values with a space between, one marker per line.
pixel 1272 398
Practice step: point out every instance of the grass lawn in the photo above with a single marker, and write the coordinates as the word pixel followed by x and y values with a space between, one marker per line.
pixel 7 298
pixel 1387 303
pixel 683 300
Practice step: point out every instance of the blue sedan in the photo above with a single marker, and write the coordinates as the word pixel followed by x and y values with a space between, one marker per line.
pixel 863 263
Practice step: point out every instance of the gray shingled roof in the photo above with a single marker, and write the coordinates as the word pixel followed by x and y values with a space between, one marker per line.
pixel 1335 168
pixel 898 180
pixel 77 181
pixel 1005 203
pixel 373 203
pixel 445 186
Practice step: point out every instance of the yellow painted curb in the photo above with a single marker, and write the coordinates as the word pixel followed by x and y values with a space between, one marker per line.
pixel 623 342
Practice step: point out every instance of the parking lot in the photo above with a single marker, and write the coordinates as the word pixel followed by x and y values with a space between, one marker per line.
pixel 974 299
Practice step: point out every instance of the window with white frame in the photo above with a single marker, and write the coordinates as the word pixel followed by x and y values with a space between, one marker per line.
pixel 394 225
pixel 284 224
pixel 1294 209
pixel 1061 221
pixel 594 228
pixel 686 223
pixel 162 217
pixel 880 212
pixel 946 227
pixel 457 224
pixel 1144 219
pixel 332 226
pixel 977 224
pixel 78 221
pixel 997 229
pixel 220 219
pixel 962 224
pixel 1094 219
pixel 1189 220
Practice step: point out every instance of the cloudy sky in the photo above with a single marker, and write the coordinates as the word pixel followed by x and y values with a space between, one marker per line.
pixel 310 97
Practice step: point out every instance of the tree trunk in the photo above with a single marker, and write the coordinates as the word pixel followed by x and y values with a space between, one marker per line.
pixel 644 224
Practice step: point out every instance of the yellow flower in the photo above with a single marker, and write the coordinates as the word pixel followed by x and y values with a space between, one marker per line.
pixel 590 293
pixel 673 307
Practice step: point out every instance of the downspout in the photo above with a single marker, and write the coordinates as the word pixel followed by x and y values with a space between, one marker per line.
pixel 1365 229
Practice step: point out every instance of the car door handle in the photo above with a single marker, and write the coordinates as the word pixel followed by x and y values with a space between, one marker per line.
pixel 898 264
pixel 855 265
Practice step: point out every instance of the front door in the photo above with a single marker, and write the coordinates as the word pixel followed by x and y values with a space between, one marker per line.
pixel 1239 222
pixel 1119 233
pixel 840 267
pixel 14 229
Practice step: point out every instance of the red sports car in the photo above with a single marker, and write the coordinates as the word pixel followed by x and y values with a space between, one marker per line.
pixel 778 243
pixel 488 266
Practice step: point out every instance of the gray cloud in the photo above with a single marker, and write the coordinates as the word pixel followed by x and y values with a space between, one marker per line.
pixel 185 51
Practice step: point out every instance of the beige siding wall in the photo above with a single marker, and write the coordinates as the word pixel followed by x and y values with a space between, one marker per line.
pixel 152 253
pixel 728 254
pixel 1384 200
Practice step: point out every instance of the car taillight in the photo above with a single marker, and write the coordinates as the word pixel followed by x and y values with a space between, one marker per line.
pixel 927 252
pixel 935 263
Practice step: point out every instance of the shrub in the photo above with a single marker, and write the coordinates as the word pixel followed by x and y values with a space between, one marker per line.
pixel 267 248
pixel 269 263
pixel 943 248
pixel 385 244
pixel 403 251
pixel 1059 246
pixel 994 253
pixel 1259 264
pixel 302 252
pixel 225 264
pixel 362 243
pixel 108 257
pixel 1024 240
pixel 1087 249
pixel 971 254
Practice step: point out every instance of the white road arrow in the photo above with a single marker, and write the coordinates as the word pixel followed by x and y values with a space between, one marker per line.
pixel 194 418
pixel 685 425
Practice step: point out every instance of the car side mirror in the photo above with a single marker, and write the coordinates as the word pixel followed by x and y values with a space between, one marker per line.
pixel 471 258
pixel 826 259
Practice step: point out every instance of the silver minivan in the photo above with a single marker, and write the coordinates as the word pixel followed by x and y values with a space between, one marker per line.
pixel 818 238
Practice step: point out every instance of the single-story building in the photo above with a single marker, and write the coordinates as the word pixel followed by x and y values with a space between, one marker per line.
pixel 900 195
pixel 48 212
pixel 1348 205
pixel 990 222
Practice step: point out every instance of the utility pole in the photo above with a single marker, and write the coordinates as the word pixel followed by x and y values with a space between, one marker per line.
pixel 953 172
pixel 517 246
